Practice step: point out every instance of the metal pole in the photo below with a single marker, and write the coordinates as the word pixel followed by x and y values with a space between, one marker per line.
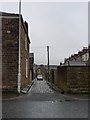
pixel 19 72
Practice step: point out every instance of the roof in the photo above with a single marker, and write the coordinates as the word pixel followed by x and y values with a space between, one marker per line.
pixel 80 53
pixel 8 14
pixel 77 63
pixel 51 66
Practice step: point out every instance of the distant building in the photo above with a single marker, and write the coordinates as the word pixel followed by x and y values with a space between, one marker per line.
pixel 11 79
pixel 54 67
pixel 79 59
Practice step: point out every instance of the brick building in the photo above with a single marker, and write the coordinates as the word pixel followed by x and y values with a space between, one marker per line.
pixel 15 47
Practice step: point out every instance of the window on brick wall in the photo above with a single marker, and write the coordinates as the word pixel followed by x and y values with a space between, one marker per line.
pixel 26 68
pixel 25 42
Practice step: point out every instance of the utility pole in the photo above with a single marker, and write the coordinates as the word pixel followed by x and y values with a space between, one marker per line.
pixel 48 60
pixel 89 32
pixel 19 7
pixel 19 62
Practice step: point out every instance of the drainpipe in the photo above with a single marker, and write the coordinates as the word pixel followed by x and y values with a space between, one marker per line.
pixel 19 64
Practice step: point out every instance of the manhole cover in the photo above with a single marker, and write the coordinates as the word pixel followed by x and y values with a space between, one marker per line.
pixel 67 100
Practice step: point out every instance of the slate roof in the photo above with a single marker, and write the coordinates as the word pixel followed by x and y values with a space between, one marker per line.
pixel 77 63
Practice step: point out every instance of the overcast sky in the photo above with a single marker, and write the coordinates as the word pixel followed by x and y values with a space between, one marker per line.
pixel 62 26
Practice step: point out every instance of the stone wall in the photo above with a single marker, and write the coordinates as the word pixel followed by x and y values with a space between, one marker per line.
pixel 10 38
pixel 62 78
pixel 72 79
pixel 31 74
pixel 10 53
pixel 0 54
pixel 53 76
pixel 77 79
pixel 24 56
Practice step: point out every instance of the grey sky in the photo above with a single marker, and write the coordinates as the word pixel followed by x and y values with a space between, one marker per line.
pixel 62 26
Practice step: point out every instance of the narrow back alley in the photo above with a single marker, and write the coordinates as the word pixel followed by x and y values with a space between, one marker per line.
pixel 43 102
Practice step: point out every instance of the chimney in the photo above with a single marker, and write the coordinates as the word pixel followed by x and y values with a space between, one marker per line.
pixel 80 52
pixel 26 25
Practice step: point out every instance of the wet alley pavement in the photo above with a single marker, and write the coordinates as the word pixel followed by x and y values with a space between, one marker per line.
pixel 43 102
